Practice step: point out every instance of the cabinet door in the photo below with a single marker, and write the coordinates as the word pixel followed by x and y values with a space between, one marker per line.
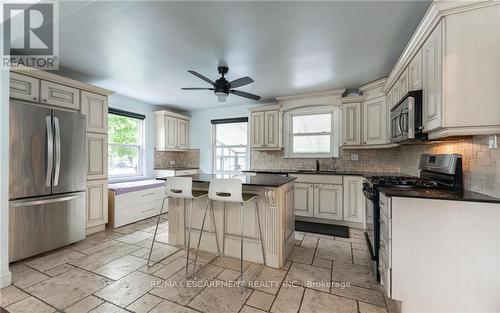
pixel 403 84
pixel 374 122
pixel 170 132
pixel 24 87
pixel 415 72
pixel 394 96
pixel 60 95
pixel 257 130
pixel 303 199
pixel 432 56
pixel 97 156
pixel 271 129
pixel 354 202
pixel 97 203
pixel 351 121
pixel 160 132
pixel 95 107
pixel 328 201
pixel 182 134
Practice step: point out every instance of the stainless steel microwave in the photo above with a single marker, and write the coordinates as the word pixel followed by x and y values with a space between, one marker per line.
pixel 406 118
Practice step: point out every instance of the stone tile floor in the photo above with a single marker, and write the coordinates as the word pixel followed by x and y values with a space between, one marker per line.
pixel 107 273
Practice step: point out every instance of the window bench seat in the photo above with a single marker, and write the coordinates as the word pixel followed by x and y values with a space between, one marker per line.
pixel 129 202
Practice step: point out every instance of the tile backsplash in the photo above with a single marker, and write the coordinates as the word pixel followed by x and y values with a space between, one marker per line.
pixel 188 158
pixel 481 164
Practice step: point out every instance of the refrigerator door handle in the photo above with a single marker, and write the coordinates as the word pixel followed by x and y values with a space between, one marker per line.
pixel 45 200
pixel 57 142
pixel 50 151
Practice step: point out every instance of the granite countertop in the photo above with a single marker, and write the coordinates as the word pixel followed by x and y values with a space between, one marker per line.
pixel 438 194
pixel 248 180
pixel 324 172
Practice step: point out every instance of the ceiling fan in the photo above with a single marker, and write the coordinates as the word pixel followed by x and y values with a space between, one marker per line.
pixel 222 88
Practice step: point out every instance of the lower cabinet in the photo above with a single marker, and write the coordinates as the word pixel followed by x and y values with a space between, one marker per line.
pixel 97 203
pixel 328 201
pixel 354 200
pixel 303 199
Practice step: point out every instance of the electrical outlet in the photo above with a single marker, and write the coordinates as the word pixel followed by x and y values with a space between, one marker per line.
pixel 171 162
pixel 354 157
pixel 493 142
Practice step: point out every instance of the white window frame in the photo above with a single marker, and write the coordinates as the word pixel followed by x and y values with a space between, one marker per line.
pixel 142 154
pixel 214 150
pixel 312 110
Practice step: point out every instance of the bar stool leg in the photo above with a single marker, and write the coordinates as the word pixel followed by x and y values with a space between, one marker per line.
pixel 260 230
pixel 199 238
pixel 242 222
pixel 189 236
pixel 156 230
pixel 215 227
pixel 224 231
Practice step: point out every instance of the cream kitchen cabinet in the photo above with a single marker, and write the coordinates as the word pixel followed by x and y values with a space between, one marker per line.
pixel 432 51
pixel 97 204
pixel 265 130
pixel 415 72
pixel 328 201
pixel 97 156
pixel 304 199
pixel 24 87
pixel 354 200
pixel 171 131
pixel 351 124
pixel 95 107
pixel 375 121
pixel 402 85
pixel 59 95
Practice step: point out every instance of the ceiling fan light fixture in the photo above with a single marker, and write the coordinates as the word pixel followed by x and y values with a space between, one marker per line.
pixel 221 94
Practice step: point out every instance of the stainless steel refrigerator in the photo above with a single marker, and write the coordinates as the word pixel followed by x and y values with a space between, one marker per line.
pixel 47 179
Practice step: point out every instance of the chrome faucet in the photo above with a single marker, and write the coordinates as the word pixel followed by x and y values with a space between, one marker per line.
pixel 317 166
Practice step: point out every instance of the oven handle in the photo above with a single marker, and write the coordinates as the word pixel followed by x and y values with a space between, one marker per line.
pixel 368 195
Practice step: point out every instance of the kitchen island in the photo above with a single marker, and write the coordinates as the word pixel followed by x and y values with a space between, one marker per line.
pixel 275 203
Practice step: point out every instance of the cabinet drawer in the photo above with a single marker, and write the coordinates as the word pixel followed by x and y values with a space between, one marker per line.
pixel 139 197
pixel 318 179
pixel 130 214
pixel 24 87
pixel 60 95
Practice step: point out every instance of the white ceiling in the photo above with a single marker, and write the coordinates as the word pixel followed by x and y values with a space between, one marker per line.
pixel 142 49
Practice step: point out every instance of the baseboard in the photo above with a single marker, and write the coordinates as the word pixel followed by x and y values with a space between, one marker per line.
pixel 5 279
pixel 95 229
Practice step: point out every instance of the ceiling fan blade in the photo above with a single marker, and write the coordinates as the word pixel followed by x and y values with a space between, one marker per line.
pixel 244 94
pixel 196 88
pixel 201 77
pixel 241 82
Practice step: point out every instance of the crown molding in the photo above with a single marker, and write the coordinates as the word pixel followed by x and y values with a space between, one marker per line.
pixel 373 85
pixel 329 93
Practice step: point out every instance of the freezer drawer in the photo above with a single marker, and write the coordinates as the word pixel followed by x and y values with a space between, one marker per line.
pixel 41 224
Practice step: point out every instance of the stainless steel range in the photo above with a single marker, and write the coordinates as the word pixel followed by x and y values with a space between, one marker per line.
pixel 437 171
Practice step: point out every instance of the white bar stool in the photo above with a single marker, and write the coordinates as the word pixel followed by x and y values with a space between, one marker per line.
pixel 179 188
pixel 231 190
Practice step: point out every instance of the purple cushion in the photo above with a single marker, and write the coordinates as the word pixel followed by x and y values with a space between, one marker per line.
pixel 131 186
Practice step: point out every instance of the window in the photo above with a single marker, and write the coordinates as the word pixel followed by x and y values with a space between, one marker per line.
pixel 311 132
pixel 125 143
pixel 230 145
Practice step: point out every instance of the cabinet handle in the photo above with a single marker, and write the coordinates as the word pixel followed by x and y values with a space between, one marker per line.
pixel 35 98
pixel 44 100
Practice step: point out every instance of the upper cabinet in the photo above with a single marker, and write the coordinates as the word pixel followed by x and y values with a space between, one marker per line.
pixel 24 87
pixel 374 122
pixel 95 107
pixel 60 95
pixel 265 130
pixel 432 51
pixel 171 131
pixel 351 124
pixel 453 58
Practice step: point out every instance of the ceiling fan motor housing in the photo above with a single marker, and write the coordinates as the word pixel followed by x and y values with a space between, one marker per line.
pixel 223 70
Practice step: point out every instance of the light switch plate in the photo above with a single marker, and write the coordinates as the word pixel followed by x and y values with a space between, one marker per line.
pixel 172 162
pixel 493 142
pixel 354 157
